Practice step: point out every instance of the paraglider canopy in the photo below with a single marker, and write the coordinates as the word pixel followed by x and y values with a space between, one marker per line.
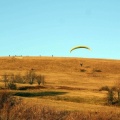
pixel 77 47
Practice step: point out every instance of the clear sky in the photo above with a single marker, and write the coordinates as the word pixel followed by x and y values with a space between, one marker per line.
pixel 53 27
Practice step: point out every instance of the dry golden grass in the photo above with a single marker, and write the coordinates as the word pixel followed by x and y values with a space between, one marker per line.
pixel 80 84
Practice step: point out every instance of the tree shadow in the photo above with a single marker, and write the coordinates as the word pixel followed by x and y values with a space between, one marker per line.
pixel 41 94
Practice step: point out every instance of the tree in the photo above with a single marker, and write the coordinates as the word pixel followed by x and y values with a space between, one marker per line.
pixel 30 76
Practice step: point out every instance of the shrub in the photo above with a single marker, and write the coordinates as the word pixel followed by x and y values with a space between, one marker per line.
pixel 82 70
pixel 7 103
pixel 40 79
pixel 4 95
pixel 110 96
pixel 12 86
pixel 19 79
pixel 97 70
pixel 5 79
pixel 104 88
pixel 29 77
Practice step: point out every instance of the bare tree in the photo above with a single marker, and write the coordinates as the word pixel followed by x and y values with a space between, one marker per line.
pixel 30 76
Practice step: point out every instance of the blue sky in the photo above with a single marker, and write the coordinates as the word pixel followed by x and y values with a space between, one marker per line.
pixel 53 27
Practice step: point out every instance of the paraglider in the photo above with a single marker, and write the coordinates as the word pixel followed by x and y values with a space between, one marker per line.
pixel 79 47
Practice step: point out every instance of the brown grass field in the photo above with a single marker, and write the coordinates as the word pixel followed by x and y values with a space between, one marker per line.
pixel 68 85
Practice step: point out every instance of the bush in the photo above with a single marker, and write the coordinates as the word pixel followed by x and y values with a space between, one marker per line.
pixel 12 86
pixel 40 79
pixel 96 70
pixel 19 79
pixel 4 95
pixel 7 104
pixel 104 88
pixel 110 97
pixel 30 77
pixel 82 70
pixel 5 79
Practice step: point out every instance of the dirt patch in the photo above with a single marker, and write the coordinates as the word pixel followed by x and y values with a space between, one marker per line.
pixel 70 88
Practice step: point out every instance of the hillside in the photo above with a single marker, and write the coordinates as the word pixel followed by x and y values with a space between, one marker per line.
pixel 60 65
pixel 73 85
pixel 63 70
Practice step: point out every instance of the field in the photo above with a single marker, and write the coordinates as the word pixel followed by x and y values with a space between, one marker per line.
pixel 71 84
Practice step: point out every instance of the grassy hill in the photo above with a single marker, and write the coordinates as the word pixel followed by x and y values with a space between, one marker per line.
pixel 57 64
pixel 69 86
pixel 62 71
